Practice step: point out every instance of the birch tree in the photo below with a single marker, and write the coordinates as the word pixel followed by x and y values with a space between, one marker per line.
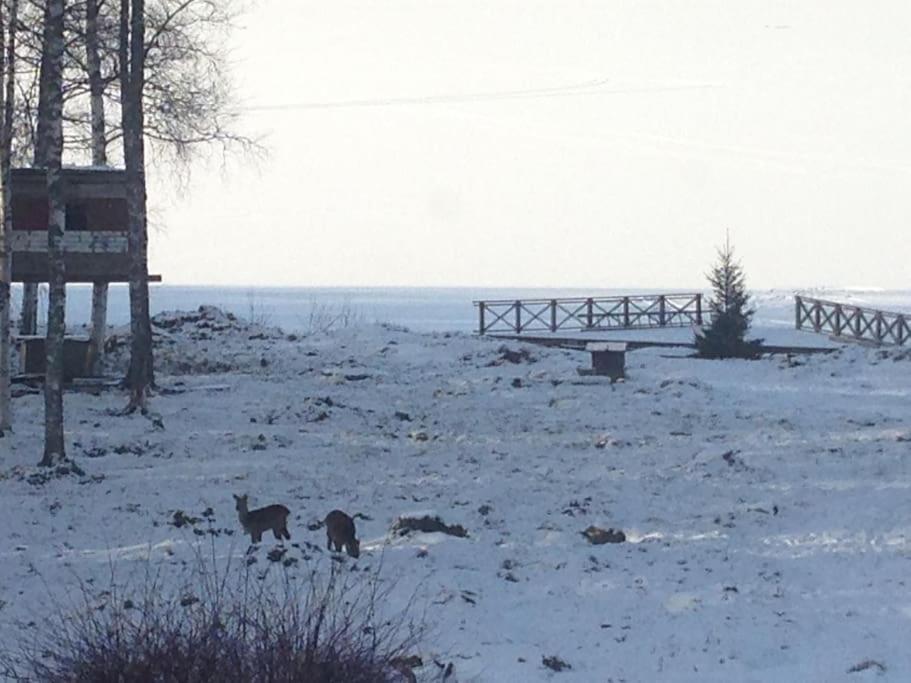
pixel 28 319
pixel 99 158
pixel 8 22
pixel 52 147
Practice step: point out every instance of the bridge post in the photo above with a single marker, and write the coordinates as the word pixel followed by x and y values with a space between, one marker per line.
pixel 661 311
pixel 480 317
pixel 518 306
pixel 797 312
pixel 553 315
pixel 589 313
pixel 699 309
pixel 626 311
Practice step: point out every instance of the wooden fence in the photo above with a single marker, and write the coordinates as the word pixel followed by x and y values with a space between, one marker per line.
pixel 851 322
pixel 589 314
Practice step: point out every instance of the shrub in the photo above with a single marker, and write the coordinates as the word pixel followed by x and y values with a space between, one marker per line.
pixel 230 628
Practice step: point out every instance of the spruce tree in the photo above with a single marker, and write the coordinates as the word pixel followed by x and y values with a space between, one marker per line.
pixel 731 312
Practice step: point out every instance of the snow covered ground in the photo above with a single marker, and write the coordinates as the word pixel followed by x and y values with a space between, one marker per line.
pixel 765 504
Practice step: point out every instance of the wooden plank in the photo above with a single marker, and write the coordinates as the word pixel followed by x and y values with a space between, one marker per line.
pixel 87 242
pixel 606 346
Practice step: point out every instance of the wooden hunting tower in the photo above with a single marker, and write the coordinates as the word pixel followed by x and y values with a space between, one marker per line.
pixel 95 241
pixel 95 250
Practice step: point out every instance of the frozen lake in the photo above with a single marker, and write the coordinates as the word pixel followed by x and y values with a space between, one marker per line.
pixel 427 309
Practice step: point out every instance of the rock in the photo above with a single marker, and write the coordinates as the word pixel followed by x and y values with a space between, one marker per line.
pixel 598 536
pixel 554 663
pixel 427 525
pixel 507 355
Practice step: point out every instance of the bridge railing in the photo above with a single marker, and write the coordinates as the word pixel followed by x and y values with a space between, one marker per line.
pixel 589 314
pixel 851 322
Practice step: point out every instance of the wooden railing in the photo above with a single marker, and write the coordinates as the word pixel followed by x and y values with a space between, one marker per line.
pixel 589 314
pixel 851 322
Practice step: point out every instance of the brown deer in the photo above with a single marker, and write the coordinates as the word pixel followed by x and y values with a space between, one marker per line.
pixel 255 522
pixel 340 533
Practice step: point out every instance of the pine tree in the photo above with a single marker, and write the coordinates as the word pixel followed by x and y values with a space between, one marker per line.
pixel 731 312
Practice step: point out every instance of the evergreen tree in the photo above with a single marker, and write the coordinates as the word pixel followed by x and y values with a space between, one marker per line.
pixel 731 312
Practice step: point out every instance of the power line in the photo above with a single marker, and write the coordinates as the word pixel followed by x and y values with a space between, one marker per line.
pixel 593 87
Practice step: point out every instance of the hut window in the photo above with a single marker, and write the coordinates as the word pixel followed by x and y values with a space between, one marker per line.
pixel 76 218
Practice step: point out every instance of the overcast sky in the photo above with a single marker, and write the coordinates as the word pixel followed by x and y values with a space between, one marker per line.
pixel 603 143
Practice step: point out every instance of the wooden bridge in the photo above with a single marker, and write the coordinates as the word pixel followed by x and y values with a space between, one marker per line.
pixel 852 322
pixel 590 314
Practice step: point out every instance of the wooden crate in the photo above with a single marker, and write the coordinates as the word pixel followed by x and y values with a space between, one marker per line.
pixel 33 359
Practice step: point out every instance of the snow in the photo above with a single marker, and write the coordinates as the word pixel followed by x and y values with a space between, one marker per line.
pixel 765 503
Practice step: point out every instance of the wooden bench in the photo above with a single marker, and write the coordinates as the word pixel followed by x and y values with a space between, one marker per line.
pixel 608 360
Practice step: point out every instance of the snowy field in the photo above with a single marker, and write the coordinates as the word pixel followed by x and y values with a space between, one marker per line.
pixel 765 504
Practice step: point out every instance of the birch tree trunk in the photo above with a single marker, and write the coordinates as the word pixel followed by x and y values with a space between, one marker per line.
pixel 54 447
pixel 5 257
pixel 132 77
pixel 99 158
pixel 7 94
pixel 28 317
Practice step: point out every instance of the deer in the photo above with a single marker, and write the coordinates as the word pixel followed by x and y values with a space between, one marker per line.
pixel 255 522
pixel 340 532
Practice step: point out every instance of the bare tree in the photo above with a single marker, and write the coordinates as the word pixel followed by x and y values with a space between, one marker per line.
pixel 99 158
pixel 52 146
pixel 7 100
pixel 132 55
pixel 28 318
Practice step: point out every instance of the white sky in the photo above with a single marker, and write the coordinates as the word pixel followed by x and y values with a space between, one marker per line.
pixel 562 143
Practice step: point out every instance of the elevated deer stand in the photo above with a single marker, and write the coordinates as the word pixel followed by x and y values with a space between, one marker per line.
pixel 94 245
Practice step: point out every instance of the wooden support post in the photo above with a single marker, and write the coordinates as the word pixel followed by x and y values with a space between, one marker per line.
pixel 553 315
pixel 518 306
pixel 481 317
pixel 99 326
pixel 28 312
pixel 589 313
pixel 626 311
pixel 879 327
pixel 6 419
pixel 797 311
pixel 699 310
pixel 838 319
pixel 661 311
